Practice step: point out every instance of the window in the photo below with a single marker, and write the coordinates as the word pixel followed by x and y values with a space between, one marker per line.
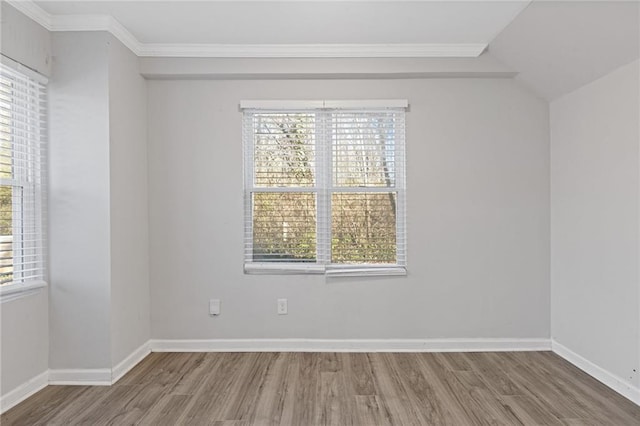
pixel 22 139
pixel 325 187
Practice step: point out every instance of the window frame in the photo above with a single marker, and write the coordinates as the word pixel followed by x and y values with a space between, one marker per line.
pixel 324 187
pixel 30 179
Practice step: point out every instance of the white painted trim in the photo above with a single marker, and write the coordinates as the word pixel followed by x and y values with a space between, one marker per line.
pixel 319 104
pixel 616 383
pixel 367 103
pixel 190 50
pixel 85 377
pixel 120 32
pixel 129 362
pixel 17 66
pixel 24 391
pixel 96 23
pixel 396 50
pixel 80 22
pixel 359 345
pixel 99 376
pixel 33 11
pixel 9 292
pixel 338 271
pixel 265 268
pixel 281 104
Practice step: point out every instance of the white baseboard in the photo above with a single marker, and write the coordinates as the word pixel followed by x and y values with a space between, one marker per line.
pixel 106 377
pixel 81 376
pixel 129 362
pixel 99 376
pixel 616 383
pixel 358 345
pixel 86 377
pixel 23 391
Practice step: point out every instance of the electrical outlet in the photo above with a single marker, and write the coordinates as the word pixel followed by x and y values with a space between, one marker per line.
pixel 214 307
pixel 282 307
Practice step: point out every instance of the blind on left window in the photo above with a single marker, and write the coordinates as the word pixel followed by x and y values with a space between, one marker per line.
pixel 22 178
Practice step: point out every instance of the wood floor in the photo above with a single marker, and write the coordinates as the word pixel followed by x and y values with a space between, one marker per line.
pixel 238 389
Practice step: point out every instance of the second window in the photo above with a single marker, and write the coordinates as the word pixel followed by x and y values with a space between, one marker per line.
pixel 325 190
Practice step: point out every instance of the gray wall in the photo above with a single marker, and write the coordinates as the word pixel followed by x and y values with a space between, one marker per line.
pixel 129 216
pixel 98 202
pixel 24 349
pixel 79 201
pixel 478 217
pixel 24 40
pixel 478 210
pixel 595 216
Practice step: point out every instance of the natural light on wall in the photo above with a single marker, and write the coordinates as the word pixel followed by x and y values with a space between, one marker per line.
pixel 325 187
pixel 22 149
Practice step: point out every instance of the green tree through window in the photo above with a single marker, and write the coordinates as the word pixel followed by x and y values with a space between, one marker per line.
pixel 325 187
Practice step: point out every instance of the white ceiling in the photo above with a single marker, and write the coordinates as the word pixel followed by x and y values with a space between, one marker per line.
pixel 302 22
pixel 559 46
pixel 555 46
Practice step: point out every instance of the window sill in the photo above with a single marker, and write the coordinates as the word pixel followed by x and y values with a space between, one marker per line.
pixel 283 268
pixel 332 271
pixel 366 271
pixel 9 292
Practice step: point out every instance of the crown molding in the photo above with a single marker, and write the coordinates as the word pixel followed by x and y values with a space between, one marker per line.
pixel 33 11
pixel 77 23
pixel 96 23
pixel 80 22
pixel 110 24
pixel 121 33
pixel 425 50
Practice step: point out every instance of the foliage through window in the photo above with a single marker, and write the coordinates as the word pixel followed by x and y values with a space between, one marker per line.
pixel 22 136
pixel 324 190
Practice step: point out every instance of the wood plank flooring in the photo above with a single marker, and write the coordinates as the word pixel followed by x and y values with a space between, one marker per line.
pixel 242 389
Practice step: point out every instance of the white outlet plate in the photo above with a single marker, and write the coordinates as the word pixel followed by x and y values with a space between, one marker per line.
pixel 282 307
pixel 214 307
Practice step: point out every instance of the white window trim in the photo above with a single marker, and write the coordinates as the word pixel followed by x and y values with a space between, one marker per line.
pixel 319 104
pixel 322 265
pixel 17 66
pixel 17 290
pixel 13 291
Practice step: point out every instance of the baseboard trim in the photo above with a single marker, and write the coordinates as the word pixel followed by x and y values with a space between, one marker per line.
pixel 99 376
pixel 129 362
pixel 359 345
pixel 616 383
pixel 106 377
pixel 24 391
pixel 81 376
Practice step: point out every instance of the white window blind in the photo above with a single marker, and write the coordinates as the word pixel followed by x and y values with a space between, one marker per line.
pixel 22 150
pixel 325 188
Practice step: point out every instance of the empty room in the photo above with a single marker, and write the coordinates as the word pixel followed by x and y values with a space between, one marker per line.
pixel 320 212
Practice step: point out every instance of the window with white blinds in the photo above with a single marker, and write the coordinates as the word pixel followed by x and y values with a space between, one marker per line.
pixel 325 187
pixel 22 150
